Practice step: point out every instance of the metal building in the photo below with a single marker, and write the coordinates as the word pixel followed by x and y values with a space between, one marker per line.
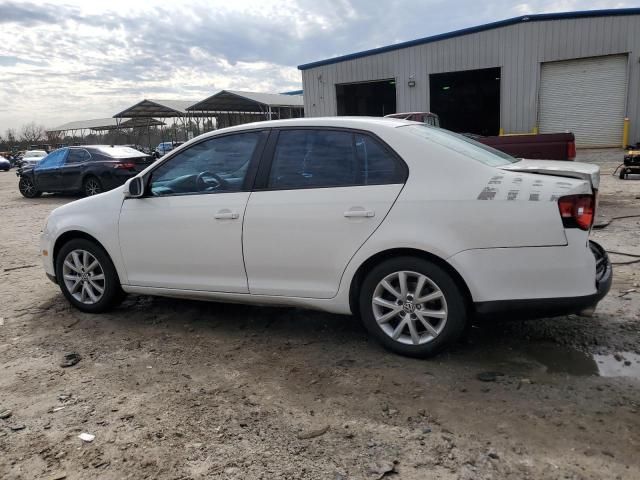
pixel 576 71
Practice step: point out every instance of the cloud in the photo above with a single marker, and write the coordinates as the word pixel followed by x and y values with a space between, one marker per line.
pixel 76 60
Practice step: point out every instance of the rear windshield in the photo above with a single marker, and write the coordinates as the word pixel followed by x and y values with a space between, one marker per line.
pixel 461 144
pixel 119 152
pixel 35 153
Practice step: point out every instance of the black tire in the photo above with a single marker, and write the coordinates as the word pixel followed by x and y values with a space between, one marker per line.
pixel 623 174
pixel 456 320
pixel 91 186
pixel 27 188
pixel 112 294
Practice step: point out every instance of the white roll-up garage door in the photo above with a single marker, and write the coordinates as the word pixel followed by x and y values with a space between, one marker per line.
pixel 586 97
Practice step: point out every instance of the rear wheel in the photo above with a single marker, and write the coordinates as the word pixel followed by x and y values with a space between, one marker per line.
pixel 92 186
pixel 412 306
pixel 87 277
pixel 623 174
pixel 27 188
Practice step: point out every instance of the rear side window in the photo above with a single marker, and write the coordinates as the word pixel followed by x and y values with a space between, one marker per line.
pixel 77 156
pixel 328 158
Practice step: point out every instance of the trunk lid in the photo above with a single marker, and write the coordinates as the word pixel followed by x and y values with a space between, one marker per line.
pixel 583 171
pixel 141 162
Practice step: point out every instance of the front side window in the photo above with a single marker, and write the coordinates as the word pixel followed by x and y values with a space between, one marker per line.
pixel 328 158
pixel 213 166
pixel 53 160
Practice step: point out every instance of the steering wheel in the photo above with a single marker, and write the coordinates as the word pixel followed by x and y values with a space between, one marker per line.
pixel 202 184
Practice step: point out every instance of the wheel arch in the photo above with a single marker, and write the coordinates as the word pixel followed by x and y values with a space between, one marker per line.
pixel 72 235
pixel 87 175
pixel 376 259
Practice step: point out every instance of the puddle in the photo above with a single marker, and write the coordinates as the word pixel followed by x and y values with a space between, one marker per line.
pixel 540 359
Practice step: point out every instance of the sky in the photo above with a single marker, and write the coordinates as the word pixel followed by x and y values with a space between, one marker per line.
pixel 76 60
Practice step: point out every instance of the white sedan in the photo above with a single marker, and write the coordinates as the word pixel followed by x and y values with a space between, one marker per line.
pixel 415 229
pixel 32 157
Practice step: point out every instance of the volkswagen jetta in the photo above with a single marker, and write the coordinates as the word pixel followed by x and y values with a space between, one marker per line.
pixel 415 229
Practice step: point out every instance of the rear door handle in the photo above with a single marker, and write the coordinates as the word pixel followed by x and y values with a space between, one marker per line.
pixel 226 215
pixel 359 213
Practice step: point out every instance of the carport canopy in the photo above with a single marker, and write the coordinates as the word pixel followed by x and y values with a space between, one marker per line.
pixel 105 124
pixel 236 101
pixel 97 125
pixel 156 108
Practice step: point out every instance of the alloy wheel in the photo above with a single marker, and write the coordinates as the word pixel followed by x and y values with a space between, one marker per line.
pixel 92 187
pixel 27 187
pixel 83 276
pixel 409 307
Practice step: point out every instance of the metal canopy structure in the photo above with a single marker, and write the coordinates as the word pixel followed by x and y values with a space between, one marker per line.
pixel 139 123
pixel 101 126
pixel 233 107
pixel 96 125
pixel 176 109
pixel 157 108
pixel 237 101
pixel 105 124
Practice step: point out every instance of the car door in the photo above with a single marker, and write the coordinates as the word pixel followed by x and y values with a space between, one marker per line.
pixel 71 171
pixel 186 232
pixel 47 171
pixel 321 195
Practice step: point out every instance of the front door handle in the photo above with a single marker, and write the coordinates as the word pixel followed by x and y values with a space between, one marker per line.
pixel 359 213
pixel 226 215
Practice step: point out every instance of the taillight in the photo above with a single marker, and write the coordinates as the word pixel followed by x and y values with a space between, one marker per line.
pixel 577 211
pixel 125 165
pixel 571 150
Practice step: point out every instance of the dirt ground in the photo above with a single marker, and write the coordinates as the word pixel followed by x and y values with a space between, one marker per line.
pixel 185 390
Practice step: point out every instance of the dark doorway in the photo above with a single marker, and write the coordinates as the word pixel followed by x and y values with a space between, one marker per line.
pixel 468 101
pixel 375 99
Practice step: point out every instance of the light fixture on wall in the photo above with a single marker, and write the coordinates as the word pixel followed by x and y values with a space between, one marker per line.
pixel 412 80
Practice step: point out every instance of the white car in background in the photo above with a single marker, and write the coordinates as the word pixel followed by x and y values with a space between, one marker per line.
pixel 32 157
pixel 415 229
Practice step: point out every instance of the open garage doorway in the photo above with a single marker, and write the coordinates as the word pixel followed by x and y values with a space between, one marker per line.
pixel 467 101
pixel 375 99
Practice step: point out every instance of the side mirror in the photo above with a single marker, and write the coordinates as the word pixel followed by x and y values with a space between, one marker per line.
pixel 134 188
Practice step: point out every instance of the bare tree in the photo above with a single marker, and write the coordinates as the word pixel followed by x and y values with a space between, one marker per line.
pixel 32 133
pixel 10 135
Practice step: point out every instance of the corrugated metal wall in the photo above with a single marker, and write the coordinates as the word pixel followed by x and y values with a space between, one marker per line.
pixel 517 49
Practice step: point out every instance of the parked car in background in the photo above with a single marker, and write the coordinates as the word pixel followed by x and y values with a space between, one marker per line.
pixel 545 146
pixel 88 169
pixel 32 157
pixel 165 147
pixel 422 117
pixel 4 164
pixel 347 215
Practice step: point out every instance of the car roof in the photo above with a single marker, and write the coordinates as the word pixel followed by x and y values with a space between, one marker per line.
pixel 362 123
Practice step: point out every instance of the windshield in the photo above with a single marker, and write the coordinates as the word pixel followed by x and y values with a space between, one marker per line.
pixel 461 144
pixel 35 153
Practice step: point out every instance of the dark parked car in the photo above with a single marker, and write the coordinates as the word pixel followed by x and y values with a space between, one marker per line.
pixel 87 169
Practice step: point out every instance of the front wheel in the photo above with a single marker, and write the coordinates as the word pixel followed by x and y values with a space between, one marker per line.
pixel 412 306
pixel 27 188
pixel 87 277
pixel 623 174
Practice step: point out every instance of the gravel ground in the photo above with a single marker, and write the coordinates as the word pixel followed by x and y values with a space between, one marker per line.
pixel 185 390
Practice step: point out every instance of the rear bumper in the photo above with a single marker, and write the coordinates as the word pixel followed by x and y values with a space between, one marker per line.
pixel 553 307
